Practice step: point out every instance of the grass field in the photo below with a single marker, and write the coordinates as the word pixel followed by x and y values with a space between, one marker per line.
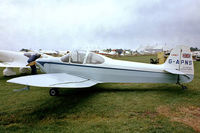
pixel 151 108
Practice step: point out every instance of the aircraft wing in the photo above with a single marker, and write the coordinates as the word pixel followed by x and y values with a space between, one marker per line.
pixel 13 64
pixel 54 80
pixel 12 59
pixel 174 71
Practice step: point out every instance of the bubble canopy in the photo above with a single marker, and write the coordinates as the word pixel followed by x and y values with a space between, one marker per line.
pixel 83 57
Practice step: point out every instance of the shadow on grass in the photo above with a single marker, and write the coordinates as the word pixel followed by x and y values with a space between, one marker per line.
pixel 72 101
pixel 68 102
pixel 136 89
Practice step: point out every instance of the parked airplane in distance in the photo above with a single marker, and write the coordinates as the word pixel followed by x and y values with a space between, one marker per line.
pixel 12 59
pixel 80 69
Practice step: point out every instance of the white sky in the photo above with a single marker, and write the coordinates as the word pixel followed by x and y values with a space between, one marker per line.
pixel 73 24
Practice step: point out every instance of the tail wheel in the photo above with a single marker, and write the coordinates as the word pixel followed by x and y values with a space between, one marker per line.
pixel 53 92
pixel 183 87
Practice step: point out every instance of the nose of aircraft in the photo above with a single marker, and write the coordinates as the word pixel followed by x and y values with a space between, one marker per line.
pixel 40 62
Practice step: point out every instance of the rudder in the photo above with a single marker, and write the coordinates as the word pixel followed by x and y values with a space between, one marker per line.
pixel 180 59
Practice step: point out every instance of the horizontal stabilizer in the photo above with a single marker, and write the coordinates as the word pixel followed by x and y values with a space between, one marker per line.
pixel 174 71
pixel 56 80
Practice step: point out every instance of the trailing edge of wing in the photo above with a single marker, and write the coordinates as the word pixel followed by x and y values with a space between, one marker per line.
pixel 173 71
pixel 56 80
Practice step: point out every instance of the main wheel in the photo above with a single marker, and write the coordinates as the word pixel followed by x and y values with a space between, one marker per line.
pixel 53 92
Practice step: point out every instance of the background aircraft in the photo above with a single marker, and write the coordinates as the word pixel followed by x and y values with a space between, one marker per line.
pixel 12 59
pixel 81 69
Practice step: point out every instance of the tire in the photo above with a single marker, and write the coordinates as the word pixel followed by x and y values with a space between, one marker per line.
pixel 53 92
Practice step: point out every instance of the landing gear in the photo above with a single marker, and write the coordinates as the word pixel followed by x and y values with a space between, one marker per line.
pixel 182 86
pixel 178 83
pixel 53 92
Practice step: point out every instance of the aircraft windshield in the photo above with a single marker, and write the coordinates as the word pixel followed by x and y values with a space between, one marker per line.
pixel 79 56
pixel 94 59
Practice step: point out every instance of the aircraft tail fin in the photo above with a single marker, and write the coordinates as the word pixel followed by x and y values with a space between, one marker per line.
pixel 180 59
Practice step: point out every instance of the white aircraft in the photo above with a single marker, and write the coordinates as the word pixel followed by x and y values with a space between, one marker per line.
pixel 12 59
pixel 81 69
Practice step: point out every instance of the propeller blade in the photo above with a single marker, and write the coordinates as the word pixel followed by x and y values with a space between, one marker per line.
pixel 31 63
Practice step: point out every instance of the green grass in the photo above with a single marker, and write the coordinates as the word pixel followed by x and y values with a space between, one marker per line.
pixel 101 108
pixel 139 58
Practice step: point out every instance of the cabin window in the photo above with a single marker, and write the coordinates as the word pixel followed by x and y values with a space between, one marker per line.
pixel 94 59
pixel 78 57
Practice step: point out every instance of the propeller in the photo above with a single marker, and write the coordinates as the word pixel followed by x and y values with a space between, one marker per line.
pixel 31 63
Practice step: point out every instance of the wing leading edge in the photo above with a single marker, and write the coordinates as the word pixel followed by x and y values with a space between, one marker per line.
pixel 55 80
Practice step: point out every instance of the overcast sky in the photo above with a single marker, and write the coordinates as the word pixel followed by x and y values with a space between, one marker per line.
pixel 73 24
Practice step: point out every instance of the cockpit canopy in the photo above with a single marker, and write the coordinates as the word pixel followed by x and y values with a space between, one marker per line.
pixel 79 57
